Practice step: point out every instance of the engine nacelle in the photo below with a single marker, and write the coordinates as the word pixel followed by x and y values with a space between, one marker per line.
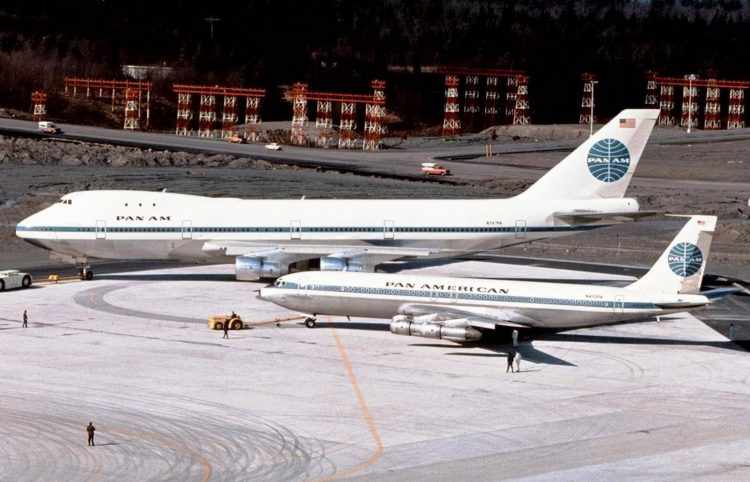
pixel 252 269
pixel 438 332
pixel 329 263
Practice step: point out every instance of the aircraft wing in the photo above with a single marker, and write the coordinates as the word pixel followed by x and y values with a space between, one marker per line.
pixel 290 252
pixel 583 216
pixel 488 318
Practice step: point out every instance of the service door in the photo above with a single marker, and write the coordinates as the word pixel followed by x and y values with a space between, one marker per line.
pixel 295 230
pixel 619 304
pixel 187 229
pixel 521 228
pixel 101 229
pixel 389 229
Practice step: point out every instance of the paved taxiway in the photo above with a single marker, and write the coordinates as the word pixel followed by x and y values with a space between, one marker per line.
pixel 397 162
pixel 172 400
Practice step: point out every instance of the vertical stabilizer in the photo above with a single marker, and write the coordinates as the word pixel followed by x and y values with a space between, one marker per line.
pixel 603 165
pixel 680 267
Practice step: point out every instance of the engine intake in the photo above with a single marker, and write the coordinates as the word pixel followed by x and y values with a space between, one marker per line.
pixel 329 263
pixel 252 269
pixel 433 330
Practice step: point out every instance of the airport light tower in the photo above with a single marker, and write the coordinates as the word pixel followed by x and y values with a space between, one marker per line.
pixel 691 78
pixel 211 21
pixel 591 113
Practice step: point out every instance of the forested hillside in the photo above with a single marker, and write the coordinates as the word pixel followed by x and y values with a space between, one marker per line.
pixel 342 44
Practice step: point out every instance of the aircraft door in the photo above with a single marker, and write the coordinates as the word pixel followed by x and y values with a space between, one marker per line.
pixel 389 230
pixel 521 228
pixel 101 229
pixel 295 230
pixel 187 230
pixel 453 296
pixel 619 304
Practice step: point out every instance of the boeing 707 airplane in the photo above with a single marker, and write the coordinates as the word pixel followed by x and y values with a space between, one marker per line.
pixel 462 309
pixel 264 238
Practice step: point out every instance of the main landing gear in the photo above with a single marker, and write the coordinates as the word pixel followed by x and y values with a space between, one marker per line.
pixel 86 273
pixel 310 322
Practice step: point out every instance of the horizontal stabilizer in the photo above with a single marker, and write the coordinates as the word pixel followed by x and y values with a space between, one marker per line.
pixel 581 216
pixel 680 305
pixel 719 293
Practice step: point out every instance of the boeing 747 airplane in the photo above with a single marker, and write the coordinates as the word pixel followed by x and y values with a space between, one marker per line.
pixel 461 309
pixel 265 237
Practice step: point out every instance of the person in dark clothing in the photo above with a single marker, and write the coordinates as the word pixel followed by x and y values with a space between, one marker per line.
pixel 226 329
pixel 511 357
pixel 25 319
pixel 91 429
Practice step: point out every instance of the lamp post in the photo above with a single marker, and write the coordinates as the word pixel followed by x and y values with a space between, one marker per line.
pixel 591 112
pixel 691 78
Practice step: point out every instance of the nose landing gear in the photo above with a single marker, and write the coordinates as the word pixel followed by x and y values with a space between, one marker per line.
pixel 86 273
pixel 310 322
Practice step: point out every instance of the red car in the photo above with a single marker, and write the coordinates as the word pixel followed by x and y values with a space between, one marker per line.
pixel 432 169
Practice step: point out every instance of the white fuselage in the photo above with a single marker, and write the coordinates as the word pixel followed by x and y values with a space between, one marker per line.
pixel 159 225
pixel 533 304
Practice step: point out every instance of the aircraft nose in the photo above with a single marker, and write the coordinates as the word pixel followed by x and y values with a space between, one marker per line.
pixel 265 294
pixel 24 226
pixel 272 294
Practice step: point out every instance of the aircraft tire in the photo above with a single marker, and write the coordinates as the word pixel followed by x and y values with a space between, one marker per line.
pixel 310 322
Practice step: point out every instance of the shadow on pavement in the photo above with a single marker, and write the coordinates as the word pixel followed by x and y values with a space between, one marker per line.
pixel 353 325
pixel 629 340
pixel 168 277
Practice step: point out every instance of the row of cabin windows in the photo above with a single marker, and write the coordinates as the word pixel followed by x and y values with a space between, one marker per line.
pixel 462 295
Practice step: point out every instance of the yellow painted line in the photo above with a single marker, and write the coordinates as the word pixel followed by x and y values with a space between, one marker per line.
pixel 365 415
pixel 66 279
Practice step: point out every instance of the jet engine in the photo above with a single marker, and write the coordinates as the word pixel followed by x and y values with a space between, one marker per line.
pixel 251 269
pixel 455 330
pixel 328 263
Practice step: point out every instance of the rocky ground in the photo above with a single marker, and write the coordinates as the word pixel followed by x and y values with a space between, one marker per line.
pixel 708 178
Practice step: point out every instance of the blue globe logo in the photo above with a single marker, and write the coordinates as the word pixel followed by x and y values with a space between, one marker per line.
pixel 685 259
pixel 609 160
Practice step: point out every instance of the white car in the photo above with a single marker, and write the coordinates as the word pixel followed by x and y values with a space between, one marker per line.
pixel 273 146
pixel 12 278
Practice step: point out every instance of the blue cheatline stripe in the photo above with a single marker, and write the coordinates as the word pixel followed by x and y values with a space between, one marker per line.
pixel 320 229
pixel 460 295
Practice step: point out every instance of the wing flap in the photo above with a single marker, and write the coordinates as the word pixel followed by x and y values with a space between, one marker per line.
pixel 488 318
pixel 239 248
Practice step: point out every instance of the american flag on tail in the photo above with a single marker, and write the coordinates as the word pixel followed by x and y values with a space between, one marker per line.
pixel 627 123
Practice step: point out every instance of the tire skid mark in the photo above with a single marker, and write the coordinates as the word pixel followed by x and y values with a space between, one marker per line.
pixel 158 439
pixel 93 298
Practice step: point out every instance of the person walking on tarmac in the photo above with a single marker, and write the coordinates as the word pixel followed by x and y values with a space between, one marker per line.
pixel 91 429
pixel 511 357
pixel 226 330
pixel 25 319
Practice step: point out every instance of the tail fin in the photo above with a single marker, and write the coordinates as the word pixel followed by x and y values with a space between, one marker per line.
pixel 603 165
pixel 680 267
